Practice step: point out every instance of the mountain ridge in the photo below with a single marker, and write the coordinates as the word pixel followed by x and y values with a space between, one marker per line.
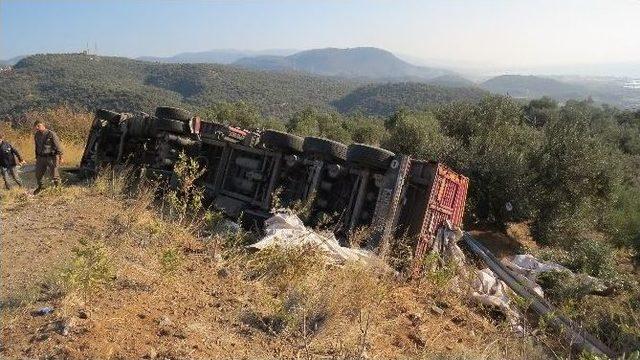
pixel 216 56
pixel 359 62
pixel 122 84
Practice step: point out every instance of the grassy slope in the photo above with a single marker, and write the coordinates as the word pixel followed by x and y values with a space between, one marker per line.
pixel 168 293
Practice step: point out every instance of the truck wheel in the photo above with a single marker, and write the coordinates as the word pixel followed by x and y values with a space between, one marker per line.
pixel 278 140
pixel 316 145
pixel 369 156
pixel 169 125
pixel 141 127
pixel 166 112
pixel 110 116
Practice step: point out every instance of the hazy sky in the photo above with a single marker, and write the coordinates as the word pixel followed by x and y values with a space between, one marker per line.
pixel 483 32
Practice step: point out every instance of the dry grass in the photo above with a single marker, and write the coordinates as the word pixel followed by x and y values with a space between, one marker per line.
pixel 72 127
pixel 173 295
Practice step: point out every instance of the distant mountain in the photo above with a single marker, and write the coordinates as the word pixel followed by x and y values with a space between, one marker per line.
pixel 385 99
pixel 520 86
pixel 614 91
pixel 452 80
pixel 12 61
pixel 361 62
pixel 221 56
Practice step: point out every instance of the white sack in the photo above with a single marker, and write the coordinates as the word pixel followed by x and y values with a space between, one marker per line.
pixel 530 267
pixel 286 230
pixel 487 289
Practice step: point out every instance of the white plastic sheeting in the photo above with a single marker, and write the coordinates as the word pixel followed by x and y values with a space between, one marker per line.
pixel 446 244
pixel 530 267
pixel 285 229
pixel 485 287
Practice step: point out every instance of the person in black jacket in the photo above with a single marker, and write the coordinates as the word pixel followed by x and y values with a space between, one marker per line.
pixel 8 164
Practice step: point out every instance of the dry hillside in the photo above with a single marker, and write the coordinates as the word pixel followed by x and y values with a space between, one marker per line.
pixel 124 283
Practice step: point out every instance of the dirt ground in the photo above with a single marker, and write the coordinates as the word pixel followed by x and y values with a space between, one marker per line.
pixel 199 310
pixel 515 240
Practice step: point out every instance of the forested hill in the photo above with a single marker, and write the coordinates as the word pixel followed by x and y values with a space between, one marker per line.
pixel 533 87
pixel 88 81
pixel 385 99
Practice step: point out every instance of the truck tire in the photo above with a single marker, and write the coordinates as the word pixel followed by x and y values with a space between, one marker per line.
pixel 369 156
pixel 110 116
pixel 278 140
pixel 141 127
pixel 169 125
pixel 316 145
pixel 166 112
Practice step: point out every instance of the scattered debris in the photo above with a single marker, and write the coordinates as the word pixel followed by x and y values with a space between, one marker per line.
pixel 528 268
pixel 223 273
pixel 42 311
pixel 489 290
pixel 84 314
pixel 436 310
pixel 531 267
pixel 486 287
pixel 64 327
pixel 285 229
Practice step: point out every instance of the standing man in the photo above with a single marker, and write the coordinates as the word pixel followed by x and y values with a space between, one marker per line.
pixel 8 164
pixel 48 154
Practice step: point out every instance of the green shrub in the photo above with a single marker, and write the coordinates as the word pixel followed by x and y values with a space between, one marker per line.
pixel 622 222
pixel 186 200
pixel 592 257
pixel 584 255
pixel 90 267
pixel 578 173
pixel 238 114
pixel 365 130
pixel 418 134
pixel 170 260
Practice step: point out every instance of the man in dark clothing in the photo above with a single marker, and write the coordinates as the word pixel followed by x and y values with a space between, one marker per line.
pixel 8 164
pixel 48 155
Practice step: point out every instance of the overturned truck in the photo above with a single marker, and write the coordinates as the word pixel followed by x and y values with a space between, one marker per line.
pixel 246 172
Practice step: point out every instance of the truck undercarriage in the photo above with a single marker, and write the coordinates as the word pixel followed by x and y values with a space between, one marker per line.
pixel 247 173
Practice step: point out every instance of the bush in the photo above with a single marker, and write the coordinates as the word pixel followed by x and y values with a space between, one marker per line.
pixel 496 151
pixel 185 202
pixel 90 267
pixel 584 255
pixel 578 173
pixel 593 257
pixel 170 260
pixel 418 134
pixel 614 321
pixel 622 222
pixel 499 166
pixel 368 131
pixel 238 114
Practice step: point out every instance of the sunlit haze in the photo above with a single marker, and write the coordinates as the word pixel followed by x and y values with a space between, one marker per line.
pixel 475 33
